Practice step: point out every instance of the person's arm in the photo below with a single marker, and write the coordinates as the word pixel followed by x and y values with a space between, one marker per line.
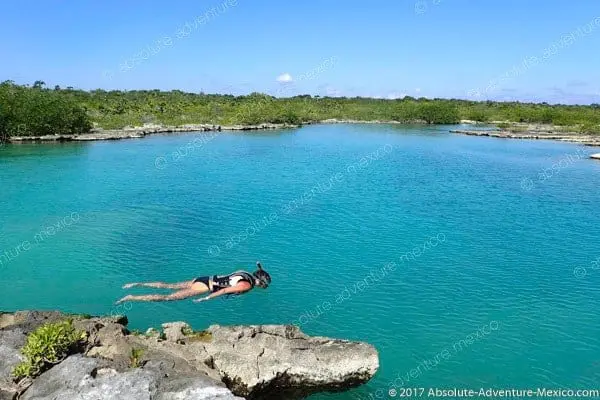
pixel 239 288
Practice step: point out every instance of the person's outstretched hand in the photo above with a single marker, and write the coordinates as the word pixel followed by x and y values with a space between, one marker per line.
pixel 201 300
pixel 124 299
pixel 130 285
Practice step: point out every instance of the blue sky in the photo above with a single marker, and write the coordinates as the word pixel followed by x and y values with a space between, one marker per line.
pixel 431 48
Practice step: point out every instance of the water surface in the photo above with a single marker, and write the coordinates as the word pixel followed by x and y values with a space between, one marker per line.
pixel 495 302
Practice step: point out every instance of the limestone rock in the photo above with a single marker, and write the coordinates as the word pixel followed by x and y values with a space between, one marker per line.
pixel 256 362
pixel 174 331
pixel 271 361
pixel 10 355
pixel 84 378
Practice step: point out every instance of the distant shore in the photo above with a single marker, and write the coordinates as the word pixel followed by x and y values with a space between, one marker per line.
pixel 142 131
pixel 513 131
pixel 532 131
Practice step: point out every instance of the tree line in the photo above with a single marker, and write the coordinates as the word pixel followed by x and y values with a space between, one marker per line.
pixel 39 110
pixel 36 111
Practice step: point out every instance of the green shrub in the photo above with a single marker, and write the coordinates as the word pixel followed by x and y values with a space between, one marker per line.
pixel 47 345
pixel 476 114
pixel 201 336
pixel 590 129
pixel 135 359
pixel 33 111
pixel 439 113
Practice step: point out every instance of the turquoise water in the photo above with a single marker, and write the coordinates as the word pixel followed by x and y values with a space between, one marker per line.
pixel 484 235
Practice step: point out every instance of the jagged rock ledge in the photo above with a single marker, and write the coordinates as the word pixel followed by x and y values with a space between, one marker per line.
pixel 140 132
pixel 222 362
pixel 587 140
pixel 355 121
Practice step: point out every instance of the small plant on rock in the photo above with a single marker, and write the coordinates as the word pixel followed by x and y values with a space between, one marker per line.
pixel 201 336
pixel 48 345
pixel 135 359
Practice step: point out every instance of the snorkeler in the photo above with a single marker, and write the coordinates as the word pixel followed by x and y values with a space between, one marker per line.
pixel 235 283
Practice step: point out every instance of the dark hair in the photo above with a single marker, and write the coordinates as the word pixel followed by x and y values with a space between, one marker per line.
pixel 263 276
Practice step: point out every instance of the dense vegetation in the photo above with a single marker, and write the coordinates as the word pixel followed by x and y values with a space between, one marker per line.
pixel 47 345
pixel 35 110
pixel 38 110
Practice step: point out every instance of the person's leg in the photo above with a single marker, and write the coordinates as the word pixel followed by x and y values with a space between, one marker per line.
pixel 160 285
pixel 195 289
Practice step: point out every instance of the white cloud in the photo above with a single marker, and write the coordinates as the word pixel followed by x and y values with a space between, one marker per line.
pixel 284 78
pixel 418 90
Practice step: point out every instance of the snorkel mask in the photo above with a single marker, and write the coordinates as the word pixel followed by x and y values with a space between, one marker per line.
pixel 262 276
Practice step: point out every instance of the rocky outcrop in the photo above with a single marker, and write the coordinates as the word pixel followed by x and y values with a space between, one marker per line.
pixel 10 343
pixel 534 133
pixel 222 362
pixel 140 132
pixel 277 361
pixel 80 377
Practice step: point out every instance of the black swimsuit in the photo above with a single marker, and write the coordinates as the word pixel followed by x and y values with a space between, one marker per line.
pixel 224 281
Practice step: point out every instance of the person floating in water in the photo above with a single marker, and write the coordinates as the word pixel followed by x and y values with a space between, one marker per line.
pixel 235 283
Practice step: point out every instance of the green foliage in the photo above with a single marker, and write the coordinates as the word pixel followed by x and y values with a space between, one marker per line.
pixel 49 344
pixel 201 336
pixel 439 112
pixel 39 110
pixel 476 114
pixel 135 359
pixel 590 129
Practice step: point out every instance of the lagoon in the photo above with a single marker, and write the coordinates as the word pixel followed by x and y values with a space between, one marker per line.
pixel 467 261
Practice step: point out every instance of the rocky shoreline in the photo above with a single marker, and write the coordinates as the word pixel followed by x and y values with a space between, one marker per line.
pixel 222 362
pixel 532 131
pixel 142 131
pixel 523 131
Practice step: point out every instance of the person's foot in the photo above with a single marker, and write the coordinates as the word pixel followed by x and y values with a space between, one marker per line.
pixel 124 299
pixel 130 285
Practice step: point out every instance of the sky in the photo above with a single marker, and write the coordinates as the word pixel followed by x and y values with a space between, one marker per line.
pixel 529 50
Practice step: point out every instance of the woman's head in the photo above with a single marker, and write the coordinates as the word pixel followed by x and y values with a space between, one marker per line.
pixel 262 276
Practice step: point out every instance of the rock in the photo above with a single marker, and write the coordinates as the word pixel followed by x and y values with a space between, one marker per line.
pixel 534 132
pixel 84 378
pixel 271 361
pixel 10 344
pixel 110 343
pixel 266 361
pixel 182 388
pixel 6 320
pixel 77 378
pixel 595 156
pixel 28 321
pixel 152 333
pixel 140 132
pixel 173 331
